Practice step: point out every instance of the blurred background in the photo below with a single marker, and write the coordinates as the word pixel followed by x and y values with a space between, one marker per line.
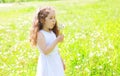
pixel 92 36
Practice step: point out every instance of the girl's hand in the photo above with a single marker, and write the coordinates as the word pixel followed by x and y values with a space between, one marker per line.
pixel 60 38
pixel 64 67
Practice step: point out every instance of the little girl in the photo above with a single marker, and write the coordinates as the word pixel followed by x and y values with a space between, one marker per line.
pixel 45 35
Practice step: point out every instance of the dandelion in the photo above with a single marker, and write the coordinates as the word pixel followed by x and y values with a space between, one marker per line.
pixel 100 67
pixel 114 73
pixel 99 54
pixel 78 58
pixel 71 58
pixel 105 49
pixel 77 35
pixel 77 66
pixel 0 53
pixel 91 54
pixel 111 64
pixel 99 45
pixel 110 46
pixel 78 54
pixel 61 27
pixel 87 70
pixel 83 36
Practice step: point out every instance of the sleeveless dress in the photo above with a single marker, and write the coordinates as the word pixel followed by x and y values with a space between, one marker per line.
pixel 51 64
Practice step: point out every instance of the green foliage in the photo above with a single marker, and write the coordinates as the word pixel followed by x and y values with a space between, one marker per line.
pixel 92 37
pixel 8 1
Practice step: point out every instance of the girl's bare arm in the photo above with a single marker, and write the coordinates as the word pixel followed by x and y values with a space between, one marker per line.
pixel 47 49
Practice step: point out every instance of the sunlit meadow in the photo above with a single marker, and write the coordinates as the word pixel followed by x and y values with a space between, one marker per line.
pixel 92 37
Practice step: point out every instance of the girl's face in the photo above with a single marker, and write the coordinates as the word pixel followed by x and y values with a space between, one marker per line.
pixel 50 20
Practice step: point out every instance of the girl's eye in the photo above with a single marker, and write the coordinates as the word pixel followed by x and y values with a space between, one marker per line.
pixel 52 17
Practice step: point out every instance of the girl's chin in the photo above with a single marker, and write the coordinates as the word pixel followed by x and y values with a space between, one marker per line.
pixel 51 27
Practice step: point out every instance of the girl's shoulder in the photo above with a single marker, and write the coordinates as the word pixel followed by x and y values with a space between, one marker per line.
pixel 40 34
pixel 45 33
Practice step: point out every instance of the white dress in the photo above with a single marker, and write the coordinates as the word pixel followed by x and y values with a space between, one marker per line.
pixel 51 64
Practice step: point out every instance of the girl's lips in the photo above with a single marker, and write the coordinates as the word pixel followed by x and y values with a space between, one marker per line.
pixel 52 26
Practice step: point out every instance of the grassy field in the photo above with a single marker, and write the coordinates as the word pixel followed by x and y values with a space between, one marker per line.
pixel 92 37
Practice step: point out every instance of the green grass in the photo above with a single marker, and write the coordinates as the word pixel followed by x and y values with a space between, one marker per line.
pixel 92 37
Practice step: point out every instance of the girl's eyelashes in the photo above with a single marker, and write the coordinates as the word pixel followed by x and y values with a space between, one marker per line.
pixel 52 17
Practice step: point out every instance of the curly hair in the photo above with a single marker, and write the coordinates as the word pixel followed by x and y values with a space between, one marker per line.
pixel 38 22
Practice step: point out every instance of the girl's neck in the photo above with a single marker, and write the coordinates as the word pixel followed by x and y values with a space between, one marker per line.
pixel 45 29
